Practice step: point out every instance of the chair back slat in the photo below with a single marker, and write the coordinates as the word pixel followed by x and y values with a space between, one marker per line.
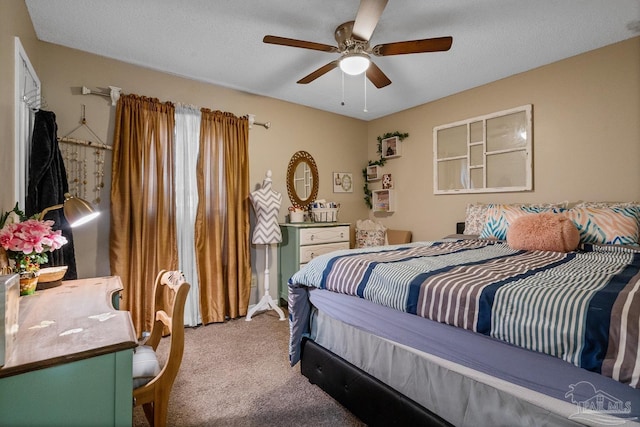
pixel 162 316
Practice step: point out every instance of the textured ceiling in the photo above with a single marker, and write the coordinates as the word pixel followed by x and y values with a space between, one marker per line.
pixel 220 42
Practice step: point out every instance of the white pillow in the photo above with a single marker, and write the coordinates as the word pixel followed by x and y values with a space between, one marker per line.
pixel 145 365
pixel 475 218
pixel 370 233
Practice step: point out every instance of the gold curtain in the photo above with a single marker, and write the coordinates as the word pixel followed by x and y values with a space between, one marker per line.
pixel 222 218
pixel 143 231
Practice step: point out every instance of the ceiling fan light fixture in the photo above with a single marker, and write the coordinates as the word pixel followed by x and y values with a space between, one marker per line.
pixel 355 63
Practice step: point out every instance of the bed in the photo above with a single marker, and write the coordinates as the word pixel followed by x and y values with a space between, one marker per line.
pixel 471 331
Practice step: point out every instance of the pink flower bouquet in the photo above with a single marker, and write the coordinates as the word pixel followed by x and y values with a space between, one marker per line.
pixel 27 241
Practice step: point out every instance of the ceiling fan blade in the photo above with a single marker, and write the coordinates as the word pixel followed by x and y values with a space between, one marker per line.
pixel 439 44
pixel 299 43
pixel 319 72
pixel 367 18
pixel 377 77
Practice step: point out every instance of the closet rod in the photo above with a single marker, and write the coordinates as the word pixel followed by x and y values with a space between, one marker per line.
pixel 83 142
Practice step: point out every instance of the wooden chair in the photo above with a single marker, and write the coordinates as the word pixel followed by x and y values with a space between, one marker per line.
pixel 395 237
pixel 170 293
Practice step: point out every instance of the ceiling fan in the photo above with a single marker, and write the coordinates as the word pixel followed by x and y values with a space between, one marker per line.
pixel 353 46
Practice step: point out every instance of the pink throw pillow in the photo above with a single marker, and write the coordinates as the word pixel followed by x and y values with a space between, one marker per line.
pixel 543 232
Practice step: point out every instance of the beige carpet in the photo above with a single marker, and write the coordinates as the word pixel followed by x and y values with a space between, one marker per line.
pixel 237 374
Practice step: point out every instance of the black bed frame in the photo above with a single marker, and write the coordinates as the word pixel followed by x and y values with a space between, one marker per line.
pixel 372 401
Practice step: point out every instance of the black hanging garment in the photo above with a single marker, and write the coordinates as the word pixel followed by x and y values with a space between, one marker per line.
pixel 47 186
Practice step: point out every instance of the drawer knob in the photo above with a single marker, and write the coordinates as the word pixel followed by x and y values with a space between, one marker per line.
pixel 312 237
pixel 342 235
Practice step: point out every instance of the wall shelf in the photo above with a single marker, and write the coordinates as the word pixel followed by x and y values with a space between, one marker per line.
pixel 383 200
pixel 391 147
pixel 374 173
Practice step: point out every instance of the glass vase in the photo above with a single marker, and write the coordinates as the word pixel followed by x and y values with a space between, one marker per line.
pixel 28 282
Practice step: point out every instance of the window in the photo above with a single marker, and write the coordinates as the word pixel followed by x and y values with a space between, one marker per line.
pixel 486 154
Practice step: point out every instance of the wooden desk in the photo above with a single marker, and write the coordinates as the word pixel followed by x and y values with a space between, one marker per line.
pixel 71 362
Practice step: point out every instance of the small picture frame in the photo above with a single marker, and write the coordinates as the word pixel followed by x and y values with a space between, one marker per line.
pixel 342 182
pixel 387 182
pixel 391 147
pixel 373 173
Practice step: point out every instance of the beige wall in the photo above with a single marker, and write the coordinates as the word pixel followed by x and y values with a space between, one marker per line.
pixel 293 128
pixel 586 139
pixel 586 131
pixel 64 71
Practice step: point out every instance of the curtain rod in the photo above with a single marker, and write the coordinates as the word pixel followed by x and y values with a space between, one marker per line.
pixel 115 92
pixel 252 121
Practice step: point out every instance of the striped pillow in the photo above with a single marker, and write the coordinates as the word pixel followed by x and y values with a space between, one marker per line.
pixel 500 216
pixel 607 225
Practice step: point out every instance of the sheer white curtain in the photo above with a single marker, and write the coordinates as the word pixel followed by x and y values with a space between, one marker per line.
pixel 187 142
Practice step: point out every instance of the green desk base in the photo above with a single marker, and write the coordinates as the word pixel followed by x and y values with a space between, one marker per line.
pixel 91 392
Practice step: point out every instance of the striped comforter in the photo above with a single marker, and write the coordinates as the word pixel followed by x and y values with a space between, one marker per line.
pixel 583 306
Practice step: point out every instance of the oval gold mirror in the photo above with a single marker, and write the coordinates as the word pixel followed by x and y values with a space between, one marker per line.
pixel 302 179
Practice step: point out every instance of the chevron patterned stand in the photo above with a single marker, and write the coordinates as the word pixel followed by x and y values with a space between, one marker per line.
pixel 266 303
pixel 266 203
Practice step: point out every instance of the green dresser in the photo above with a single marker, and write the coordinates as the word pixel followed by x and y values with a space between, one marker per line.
pixel 70 364
pixel 301 242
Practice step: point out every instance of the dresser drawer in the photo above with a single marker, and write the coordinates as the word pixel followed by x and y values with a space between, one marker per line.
pixel 314 236
pixel 305 241
pixel 307 253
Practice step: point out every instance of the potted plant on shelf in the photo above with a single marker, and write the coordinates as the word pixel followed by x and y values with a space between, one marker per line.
pixel 26 242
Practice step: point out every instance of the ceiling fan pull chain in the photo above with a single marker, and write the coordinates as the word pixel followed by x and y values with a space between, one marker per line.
pixel 342 103
pixel 365 91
